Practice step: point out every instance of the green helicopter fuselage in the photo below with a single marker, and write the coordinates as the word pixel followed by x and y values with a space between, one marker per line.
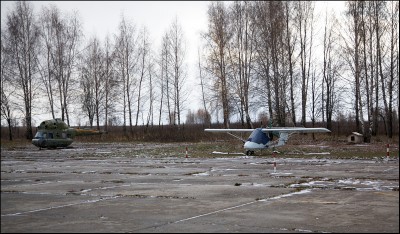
pixel 56 133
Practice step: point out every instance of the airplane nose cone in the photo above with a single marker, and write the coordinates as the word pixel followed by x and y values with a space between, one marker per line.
pixel 252 145
pixel 248 145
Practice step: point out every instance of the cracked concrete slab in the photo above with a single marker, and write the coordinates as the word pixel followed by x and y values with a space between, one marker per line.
pixel 111 188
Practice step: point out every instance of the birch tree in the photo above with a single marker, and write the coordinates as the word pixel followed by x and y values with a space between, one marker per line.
pixel 92 81
pixel 110 81
pixel 143 65
pixel 305 24
pixel 241 56
pixel 22 44
pixel 177 67
pixel 7 106
pixel 332 68
pixel 48 18
pixel 217 41
pixel 127 63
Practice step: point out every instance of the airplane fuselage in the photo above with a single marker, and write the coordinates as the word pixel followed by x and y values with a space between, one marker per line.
pixel 257 140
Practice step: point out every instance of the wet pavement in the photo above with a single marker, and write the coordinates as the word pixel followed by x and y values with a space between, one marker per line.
pixel 115 189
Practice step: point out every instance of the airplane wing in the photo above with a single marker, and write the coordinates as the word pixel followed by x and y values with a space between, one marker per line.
pixel 228 130
pixel 288 130
pixel 295 130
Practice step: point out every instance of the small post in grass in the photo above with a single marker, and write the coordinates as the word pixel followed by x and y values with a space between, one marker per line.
pixel 387 151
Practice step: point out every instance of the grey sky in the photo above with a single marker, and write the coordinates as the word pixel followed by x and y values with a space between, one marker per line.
pixel 102 17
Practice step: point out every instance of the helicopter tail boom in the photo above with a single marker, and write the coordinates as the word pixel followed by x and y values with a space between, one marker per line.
pixel 86 132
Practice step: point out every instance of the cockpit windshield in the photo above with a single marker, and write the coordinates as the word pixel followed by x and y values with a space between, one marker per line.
pixel 39 135
pixel 258 136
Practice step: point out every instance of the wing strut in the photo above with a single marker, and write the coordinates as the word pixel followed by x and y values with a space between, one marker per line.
pixel 236 137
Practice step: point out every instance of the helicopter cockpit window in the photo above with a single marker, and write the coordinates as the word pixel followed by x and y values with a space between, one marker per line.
pixel 50 135
pixel 39 135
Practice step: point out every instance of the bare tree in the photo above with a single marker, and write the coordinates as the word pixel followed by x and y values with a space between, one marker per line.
pixel 178 73
pixel 110 81
pixel 367 70
pixel 127 62
pixel 67 38
pixel 163 78
pixel 367 65
pixel 199 117
pixel 241 56
pixel 22 43
pixel 352 56
pixel 92 80
pixel 207 117
pixel 370 59
pixel 393 73
pixel 272 57
pixel 290 42
pixel 144 54
pixel 332 68
pixel 49 18
pixel 315 111
pixel 305 21
pixel 167 77
pixel 151 99
pixel 217 39
pixel 6 89
pixel 60 37
pixel 263 59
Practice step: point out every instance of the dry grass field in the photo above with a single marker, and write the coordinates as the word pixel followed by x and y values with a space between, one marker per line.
pixel 172 140
pixel 298 146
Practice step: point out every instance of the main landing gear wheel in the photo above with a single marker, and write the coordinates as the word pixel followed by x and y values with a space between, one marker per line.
pixel 249 152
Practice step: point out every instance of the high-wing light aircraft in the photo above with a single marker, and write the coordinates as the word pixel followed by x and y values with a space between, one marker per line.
pixel 261 138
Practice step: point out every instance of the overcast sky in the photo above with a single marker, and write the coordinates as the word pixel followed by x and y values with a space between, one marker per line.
pixel 100 18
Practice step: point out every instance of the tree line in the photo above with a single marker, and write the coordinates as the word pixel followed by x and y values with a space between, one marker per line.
pixel 256 57
pixel 265 54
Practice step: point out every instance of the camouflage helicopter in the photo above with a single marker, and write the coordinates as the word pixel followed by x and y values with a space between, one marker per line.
pixel 55 133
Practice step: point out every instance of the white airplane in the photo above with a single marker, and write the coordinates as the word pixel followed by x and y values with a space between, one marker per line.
pixel 259 139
